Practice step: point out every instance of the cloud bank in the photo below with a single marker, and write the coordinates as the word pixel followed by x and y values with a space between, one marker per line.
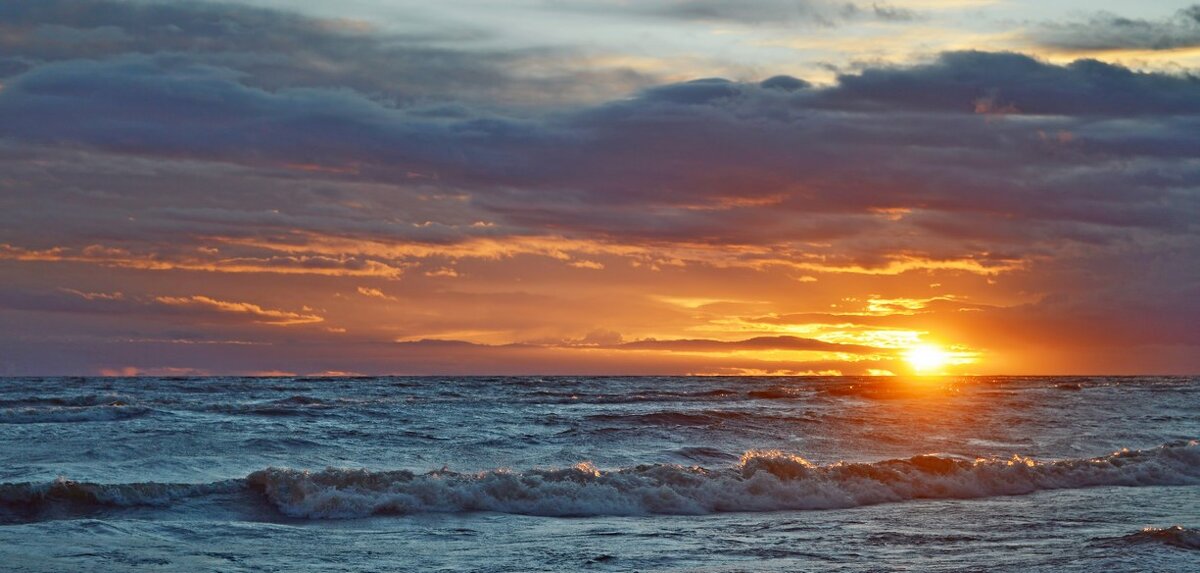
pixel 424 188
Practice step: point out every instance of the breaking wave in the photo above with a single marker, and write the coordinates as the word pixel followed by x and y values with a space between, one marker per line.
pixel 760 481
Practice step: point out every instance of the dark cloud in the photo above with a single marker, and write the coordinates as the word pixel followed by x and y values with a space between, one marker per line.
pixel 986 82
pixel 275 49
pixel 426 357
pixel 1106 31
pixel 757 343
pixel 785 83
pixel 705 161
pixel 171 106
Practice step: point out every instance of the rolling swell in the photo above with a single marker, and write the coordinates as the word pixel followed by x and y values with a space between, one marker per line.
pixel 32 501
pixel 72 414
pixel 699 418
pixel 1174 536
pixel 761 481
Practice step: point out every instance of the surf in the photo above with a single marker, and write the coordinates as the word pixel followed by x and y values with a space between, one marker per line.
pixel 760 481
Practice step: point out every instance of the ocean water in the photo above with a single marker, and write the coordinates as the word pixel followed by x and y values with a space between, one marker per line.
pixel 599 474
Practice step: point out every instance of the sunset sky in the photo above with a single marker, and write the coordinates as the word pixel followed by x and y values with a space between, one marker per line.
pixel 599 187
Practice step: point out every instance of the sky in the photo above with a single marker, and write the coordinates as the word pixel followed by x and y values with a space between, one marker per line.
pixel 782 187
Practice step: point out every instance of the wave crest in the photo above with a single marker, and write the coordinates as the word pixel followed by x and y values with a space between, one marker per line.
pixel 762 481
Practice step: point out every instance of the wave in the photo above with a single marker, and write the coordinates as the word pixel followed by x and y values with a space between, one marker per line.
pixel 82 400
pixel 776 393
pixel 703 453
pixel 298 405
pixel 66 414
pixel 32 498
pixel 1175 536
pixel 100 408
pixel 571 397
pixel 696 418
pixel 760 481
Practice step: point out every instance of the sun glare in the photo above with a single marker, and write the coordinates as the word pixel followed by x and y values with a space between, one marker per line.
pixel 927 358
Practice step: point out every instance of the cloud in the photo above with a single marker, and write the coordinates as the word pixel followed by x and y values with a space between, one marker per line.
pixel 1105 31
pixel 256 313
pixel 277 49
pixel 94 295
pixel 374 293
pixel 462 357
pixel 825 13
pixel 585 264
pixel 204 261
pixel 613 341
pixel 741 174
pixel 760 343
pixel 129 371
pixel 413 358
pixel 960 81
pixel 74 301
pixel 443 272
pixel 155 140
pixel 505 164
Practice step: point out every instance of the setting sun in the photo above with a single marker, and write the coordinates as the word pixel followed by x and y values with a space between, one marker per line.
pixel 927 358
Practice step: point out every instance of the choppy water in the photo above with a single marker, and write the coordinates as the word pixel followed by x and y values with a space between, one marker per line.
pixel 619 474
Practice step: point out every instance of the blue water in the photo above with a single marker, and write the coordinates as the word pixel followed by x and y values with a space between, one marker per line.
pixel 605 474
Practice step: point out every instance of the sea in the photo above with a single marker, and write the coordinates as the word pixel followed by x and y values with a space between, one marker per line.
pixel 523 474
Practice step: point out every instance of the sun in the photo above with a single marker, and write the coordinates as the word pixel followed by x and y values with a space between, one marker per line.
pixel 927 358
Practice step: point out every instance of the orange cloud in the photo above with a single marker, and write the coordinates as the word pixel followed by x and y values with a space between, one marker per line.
pixel 374 293
pixel 205 260
pixel 129 371
pixel 676 253
pixel 257 313
pixel 446 272
pixel 94 295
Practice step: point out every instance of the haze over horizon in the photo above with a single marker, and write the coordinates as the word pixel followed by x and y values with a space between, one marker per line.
pixel 599 187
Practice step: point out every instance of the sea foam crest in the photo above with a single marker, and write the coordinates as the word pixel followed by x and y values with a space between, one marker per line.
pixel 762 481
